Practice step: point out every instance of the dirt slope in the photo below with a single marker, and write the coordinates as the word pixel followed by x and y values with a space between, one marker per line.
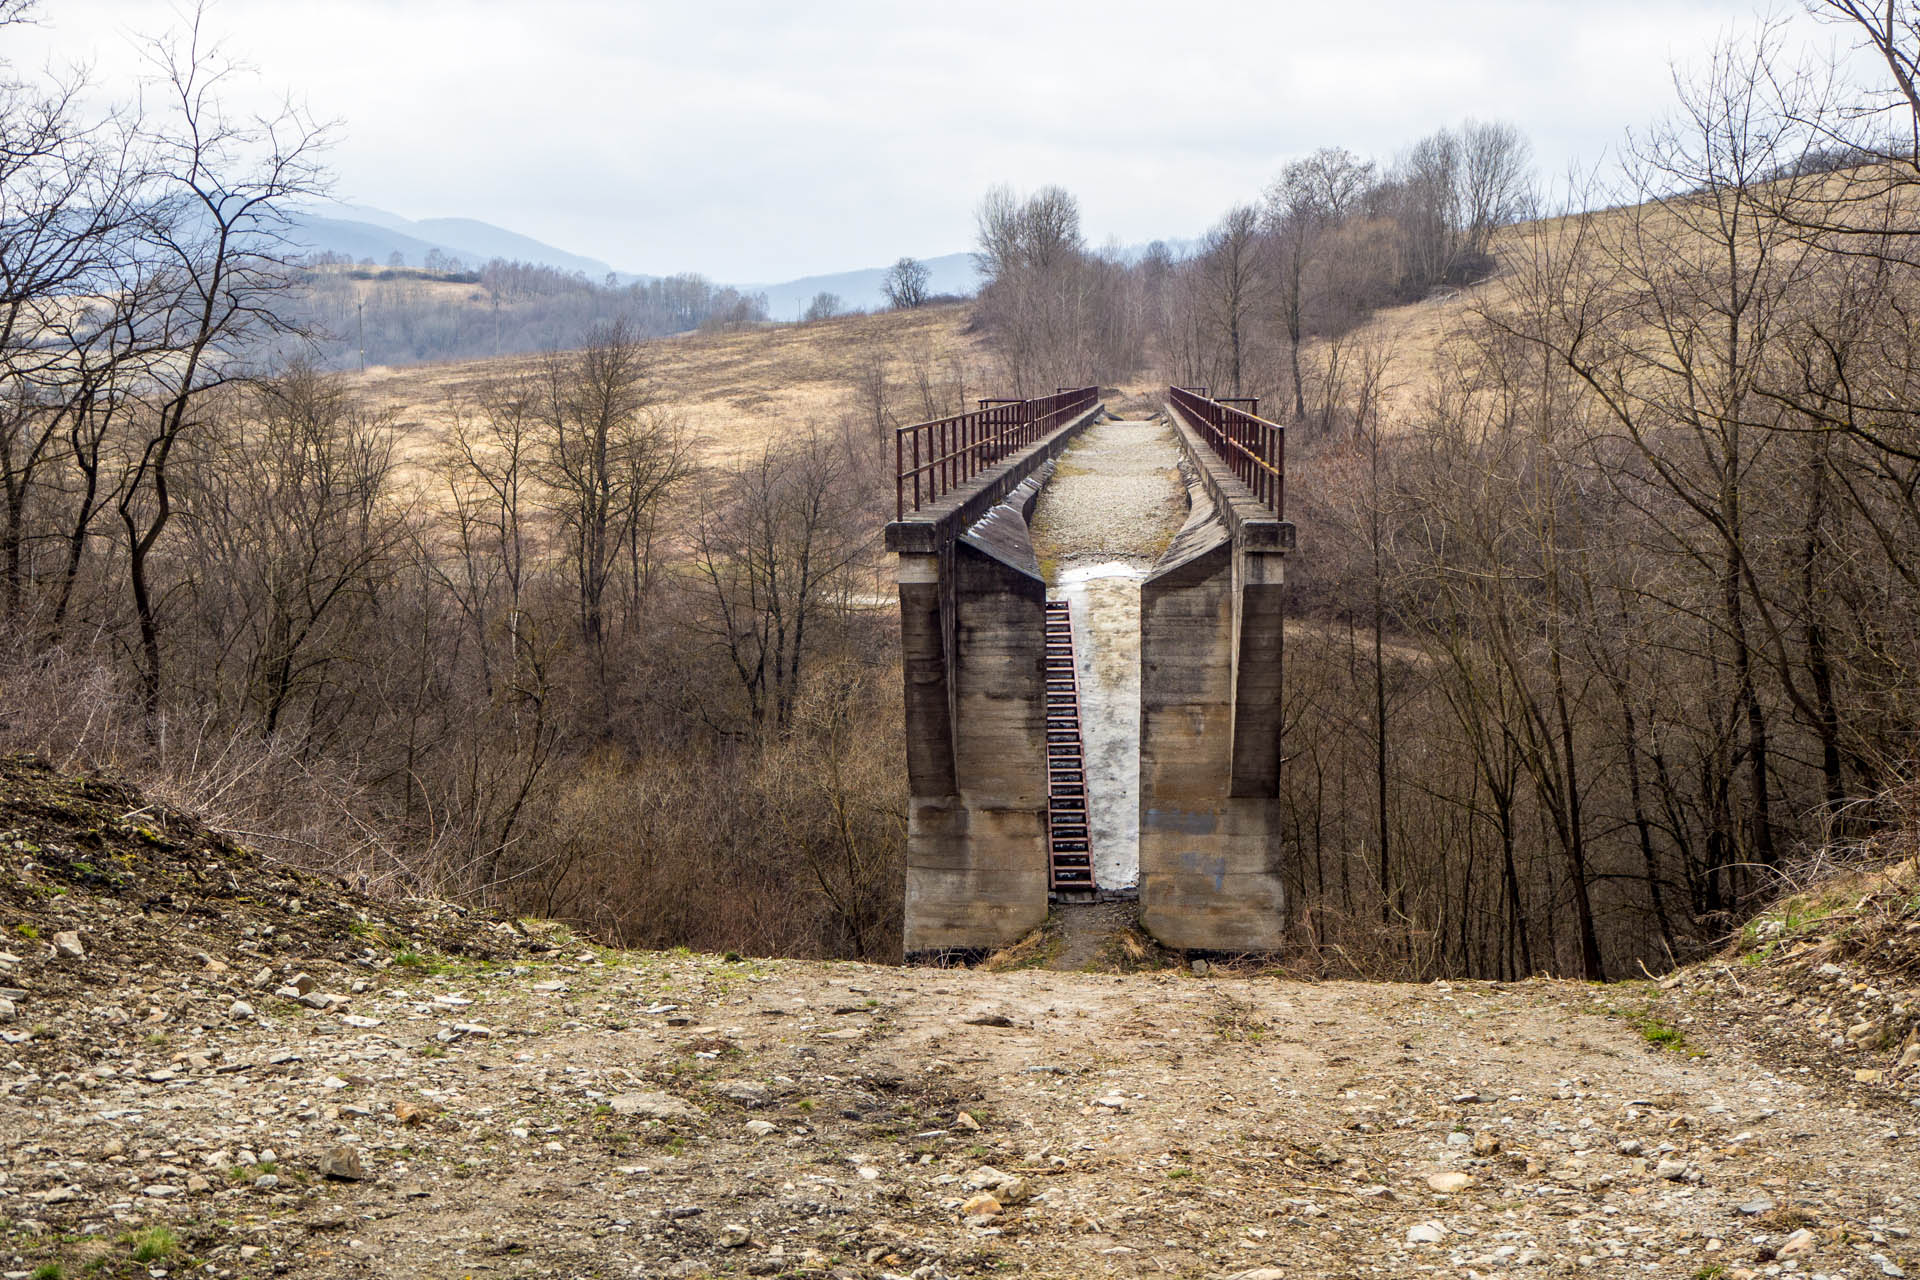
pixel 587 1112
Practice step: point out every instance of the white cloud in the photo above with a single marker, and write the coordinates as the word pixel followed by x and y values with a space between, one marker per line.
pixel 760 141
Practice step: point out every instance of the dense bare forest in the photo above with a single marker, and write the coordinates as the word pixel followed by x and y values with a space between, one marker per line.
pixel 552 662
pixel 1600 628
pixel 1614 628
pixel 350 315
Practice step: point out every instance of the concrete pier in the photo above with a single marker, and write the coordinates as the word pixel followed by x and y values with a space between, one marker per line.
pixel 972 626
pixel 972 613
pixel 1211 858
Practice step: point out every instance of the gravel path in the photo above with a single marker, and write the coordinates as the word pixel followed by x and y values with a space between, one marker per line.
pixel 1115 502
pixel 1116 496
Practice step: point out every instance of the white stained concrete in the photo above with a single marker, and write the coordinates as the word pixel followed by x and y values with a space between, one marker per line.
pixel 1104 601
pixel 1112 506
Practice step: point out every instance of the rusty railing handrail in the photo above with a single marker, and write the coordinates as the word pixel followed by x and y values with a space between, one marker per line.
pixel 1254 449
pixel 932 459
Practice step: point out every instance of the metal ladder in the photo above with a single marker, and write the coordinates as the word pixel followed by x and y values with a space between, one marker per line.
pixel 1069 837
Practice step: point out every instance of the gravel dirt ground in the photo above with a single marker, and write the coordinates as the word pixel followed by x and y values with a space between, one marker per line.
pixel 215 1067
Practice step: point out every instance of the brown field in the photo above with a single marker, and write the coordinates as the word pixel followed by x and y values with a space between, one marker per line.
pixel 733 391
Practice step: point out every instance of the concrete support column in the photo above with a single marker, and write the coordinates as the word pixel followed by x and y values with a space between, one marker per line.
pixel 976 854
pixel 1210 647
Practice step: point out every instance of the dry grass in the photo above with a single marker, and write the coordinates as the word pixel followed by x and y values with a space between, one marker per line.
pixel 732 390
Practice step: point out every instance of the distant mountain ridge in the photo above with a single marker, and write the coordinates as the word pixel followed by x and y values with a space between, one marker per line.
pixel 361 231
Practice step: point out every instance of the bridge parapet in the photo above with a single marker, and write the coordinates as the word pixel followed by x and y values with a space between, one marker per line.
pixel 947 454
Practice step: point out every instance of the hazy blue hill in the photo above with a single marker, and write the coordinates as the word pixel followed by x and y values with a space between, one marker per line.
pixel 952 273
pixel 361 231
pixel 316 234
pixel 478 242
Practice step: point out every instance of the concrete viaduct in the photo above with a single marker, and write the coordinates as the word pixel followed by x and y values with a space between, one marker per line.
pixel 981 862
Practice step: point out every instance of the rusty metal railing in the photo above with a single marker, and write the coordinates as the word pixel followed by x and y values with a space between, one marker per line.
pixel 931 459
pixel 1253 448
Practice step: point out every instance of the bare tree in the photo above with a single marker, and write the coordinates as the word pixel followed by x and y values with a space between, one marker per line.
pixel 1229 275
pixel 608 455
pixel 216 261
pixel 780 534
pixel 906 284
pixel 1494 178
pixel 1310 198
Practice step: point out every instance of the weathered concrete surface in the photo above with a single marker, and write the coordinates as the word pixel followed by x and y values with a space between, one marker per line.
pixel 1211 858
pixel 972 607
pixel 1112 507
pixel 1104 603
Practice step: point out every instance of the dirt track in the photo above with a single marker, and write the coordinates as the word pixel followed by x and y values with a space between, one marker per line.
pixel 215 1066
pixel 1166 1124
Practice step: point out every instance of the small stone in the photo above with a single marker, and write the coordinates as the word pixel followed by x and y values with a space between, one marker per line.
pixel 980 1205
pixel 302 983
pixel 1113 1102
pixel 6 1010
pixel 1467 1099
pixel 240 1009
pixel 476 1030
pixel 1200 968
pixel 761 1128
pixel 652 1106
pixel 1887 1266
pixel 266 1182
pixel 413 1113
pixel 1426 1233
pixel 66 945
pixel 1485 1144
pixel 745 1092
pixel 1798 1244
pixel 1007 1188
pixel 161 1190
pixel 198 1185
pixel 966 1121
pixel 344 1164
pixel 1756 1206
pixel 317 999
pixel 1450 1182
pixel 263 979
pixel 734 1236
pixel 1670 1170
pixel 360 1022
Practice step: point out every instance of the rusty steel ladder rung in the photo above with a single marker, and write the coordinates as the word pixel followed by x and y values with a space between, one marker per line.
pixel 1069 833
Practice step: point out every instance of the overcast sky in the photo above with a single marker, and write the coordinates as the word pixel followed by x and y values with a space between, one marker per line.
pixel 762 141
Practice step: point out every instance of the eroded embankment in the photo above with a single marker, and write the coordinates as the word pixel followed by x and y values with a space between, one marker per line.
pixel 1112 507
